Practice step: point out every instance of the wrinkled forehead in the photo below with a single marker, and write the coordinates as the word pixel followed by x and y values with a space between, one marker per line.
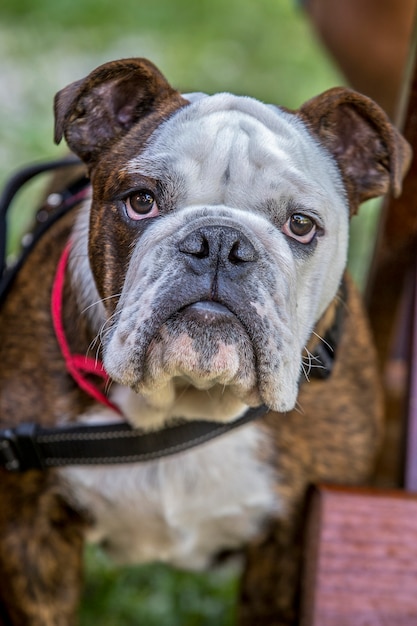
pixel 228 140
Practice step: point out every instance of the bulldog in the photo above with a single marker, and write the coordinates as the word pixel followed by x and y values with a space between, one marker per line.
pixel 204 272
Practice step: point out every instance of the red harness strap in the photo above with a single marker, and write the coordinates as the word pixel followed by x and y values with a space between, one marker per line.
pixel 78 365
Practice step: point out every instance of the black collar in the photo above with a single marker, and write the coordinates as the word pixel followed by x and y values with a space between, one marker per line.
pixel 30 446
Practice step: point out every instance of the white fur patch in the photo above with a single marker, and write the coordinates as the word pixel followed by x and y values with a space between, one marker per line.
pixel 89 301
pixel 236 163
pixel 181 510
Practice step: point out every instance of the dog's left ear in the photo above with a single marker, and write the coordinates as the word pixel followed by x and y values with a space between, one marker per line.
pixel 96 111
pixel 372 155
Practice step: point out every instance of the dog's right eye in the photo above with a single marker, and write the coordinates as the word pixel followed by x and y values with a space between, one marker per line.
pixel 141 204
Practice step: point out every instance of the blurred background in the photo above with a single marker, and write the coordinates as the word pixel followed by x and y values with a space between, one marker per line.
pixel 265 49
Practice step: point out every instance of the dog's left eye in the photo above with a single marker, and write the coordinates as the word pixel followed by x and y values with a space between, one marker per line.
pixel 141 204
pixel 300 227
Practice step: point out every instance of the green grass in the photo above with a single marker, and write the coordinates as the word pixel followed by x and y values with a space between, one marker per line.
pixel 155 595
pixel 263 48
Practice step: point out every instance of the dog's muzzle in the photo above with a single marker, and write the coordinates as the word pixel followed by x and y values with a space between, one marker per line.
pixel 206 300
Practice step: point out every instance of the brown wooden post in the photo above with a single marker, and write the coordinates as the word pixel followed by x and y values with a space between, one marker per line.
pixel 391 277
pixel 360 557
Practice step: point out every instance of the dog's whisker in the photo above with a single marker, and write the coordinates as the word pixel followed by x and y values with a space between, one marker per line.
pixel 97 341
pixel 91 346
pixel 342 300
pixel 107 386
pixel 324 341
pixel 305 372
pixel 306 364
pixel 100 301
pixel 299 408
pixel 97 357
pixel 94 342
pixel 310 356
pixel 308 360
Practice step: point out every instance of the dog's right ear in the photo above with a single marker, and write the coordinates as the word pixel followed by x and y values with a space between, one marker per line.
pixel 94 112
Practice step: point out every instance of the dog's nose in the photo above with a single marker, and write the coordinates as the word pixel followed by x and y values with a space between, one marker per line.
pixel 213 246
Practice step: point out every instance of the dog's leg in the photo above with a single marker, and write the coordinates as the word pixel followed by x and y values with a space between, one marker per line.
pixel 269 584
pixel 41 544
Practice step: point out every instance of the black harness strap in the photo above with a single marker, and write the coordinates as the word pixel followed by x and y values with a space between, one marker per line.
pixel 29 446
pixel 46 216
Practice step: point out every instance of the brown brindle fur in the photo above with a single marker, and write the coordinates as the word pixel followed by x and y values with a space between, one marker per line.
pixel 41 542
pixel 332 435
pixel 327 439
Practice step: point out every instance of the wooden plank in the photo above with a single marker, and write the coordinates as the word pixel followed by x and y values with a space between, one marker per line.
pixel 360 564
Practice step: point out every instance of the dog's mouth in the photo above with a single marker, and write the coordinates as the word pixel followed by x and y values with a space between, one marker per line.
pixel 240 343
pixel 207 311
pixel 205 344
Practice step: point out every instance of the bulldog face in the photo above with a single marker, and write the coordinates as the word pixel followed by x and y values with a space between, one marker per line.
pixel 244 246
pixel 218 231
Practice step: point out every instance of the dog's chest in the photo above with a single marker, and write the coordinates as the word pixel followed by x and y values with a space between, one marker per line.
pixel 181 510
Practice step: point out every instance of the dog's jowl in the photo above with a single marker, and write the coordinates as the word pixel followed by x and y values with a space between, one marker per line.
pixel 204 274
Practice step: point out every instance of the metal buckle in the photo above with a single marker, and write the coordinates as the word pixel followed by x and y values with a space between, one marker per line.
pixel 8 451
pixel 19 450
